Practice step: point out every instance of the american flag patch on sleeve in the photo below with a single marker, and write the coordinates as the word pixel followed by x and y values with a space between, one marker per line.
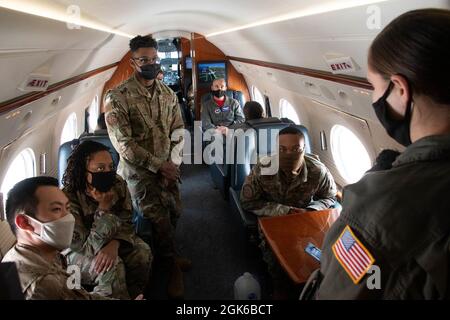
pixel 352 255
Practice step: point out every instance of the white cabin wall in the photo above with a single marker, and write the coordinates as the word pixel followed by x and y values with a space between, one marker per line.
pixel 43 127
pixel 305 41
pixel 30 43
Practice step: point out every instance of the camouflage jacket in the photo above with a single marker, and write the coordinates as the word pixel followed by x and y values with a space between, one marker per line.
pixel 140 125
pixel 274 195
pixel 213 115
pixel 92 232
pixel 44 280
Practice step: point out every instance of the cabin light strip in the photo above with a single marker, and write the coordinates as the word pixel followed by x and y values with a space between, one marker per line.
pixel 58 14
pixel 317 9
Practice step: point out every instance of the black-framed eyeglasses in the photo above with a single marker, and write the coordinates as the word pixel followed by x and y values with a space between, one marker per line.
pixel 147 60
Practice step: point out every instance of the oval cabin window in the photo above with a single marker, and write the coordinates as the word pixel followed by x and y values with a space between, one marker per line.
pixel 349 154
pixel 94 112
pixel 287 111
pixel 69 131
pixel 257 96
pixel 22 167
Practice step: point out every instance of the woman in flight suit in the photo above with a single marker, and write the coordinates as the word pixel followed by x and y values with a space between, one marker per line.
pixel 392 239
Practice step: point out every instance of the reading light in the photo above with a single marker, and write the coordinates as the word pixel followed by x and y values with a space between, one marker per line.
pixel 317 9
pixel 56 13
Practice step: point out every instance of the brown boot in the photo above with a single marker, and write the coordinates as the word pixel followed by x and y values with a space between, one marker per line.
pixel 184 263
pixel 175 288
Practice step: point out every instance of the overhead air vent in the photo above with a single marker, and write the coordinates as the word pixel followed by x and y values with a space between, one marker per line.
pixel 344 98
pixel 312 88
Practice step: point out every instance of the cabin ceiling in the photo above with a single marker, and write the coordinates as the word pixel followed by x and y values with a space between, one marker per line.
pixel 202 16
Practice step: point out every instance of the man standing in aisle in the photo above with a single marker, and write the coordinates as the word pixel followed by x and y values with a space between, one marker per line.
pixel 141 116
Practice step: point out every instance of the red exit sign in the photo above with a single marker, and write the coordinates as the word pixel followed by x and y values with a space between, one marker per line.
pixel 341 65
pixel 36 82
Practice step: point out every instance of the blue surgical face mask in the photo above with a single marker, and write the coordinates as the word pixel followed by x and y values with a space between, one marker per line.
pixel 396 129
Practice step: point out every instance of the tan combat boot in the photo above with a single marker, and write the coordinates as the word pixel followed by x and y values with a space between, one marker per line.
pixel 175 288
pixel 184 263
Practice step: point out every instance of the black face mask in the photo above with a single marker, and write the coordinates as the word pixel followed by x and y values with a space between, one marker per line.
pixel 218 93
pixel 103 181
pixel 396 129
pixel 150 71
pixel 289 162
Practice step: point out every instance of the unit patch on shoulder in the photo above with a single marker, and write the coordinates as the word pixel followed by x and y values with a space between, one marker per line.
pixel 111 119
pixel 247 191
pixel 352 255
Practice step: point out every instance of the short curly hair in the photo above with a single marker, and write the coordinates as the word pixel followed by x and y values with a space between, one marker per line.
pixel 142 42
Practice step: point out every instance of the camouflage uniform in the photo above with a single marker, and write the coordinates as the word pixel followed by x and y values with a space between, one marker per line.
pixel 213 115
pixel 44 280
pixel 276 195
pixel 92 232
pixel 140 124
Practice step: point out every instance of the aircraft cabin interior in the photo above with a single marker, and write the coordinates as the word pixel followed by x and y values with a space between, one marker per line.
pixel 65 65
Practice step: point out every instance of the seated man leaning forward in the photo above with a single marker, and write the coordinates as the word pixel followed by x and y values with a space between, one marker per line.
pixel 302 183
pixel 37 211
pixel 105 248
pixel 220 111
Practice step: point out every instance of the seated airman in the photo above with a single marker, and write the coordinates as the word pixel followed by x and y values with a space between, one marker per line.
pixel 105 247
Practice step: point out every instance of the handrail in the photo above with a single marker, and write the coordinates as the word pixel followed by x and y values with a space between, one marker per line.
pixel 17 102
pixel 347 80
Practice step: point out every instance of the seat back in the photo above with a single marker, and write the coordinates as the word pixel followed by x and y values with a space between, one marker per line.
pixel 10 282
pixel 66 149
pixel 260 144
pixel 63 155
pixel 7 238
pixel 237 95
pixel 244 157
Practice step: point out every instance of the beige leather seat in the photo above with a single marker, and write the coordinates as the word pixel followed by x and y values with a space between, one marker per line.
pixel 7 238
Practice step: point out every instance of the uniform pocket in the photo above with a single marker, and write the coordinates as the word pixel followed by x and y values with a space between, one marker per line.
pixel 165 108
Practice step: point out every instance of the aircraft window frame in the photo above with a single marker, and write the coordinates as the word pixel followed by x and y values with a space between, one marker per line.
pixel 94 113
pixel 287 110
pixel 70 129
pixel 257 96
pixel 23 166
pixel 349 154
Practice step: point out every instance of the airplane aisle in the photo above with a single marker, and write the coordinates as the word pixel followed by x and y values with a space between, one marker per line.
pixel 212 238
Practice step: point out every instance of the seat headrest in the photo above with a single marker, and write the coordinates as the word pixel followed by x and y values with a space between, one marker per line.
pixel 63 155
pixel 256 122
pixel 66 149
